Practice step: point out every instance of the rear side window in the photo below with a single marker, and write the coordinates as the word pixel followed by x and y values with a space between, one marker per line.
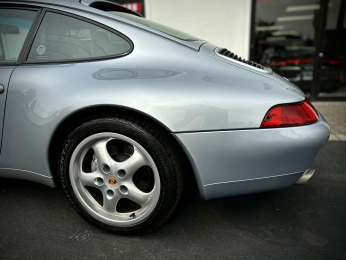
pixel 61 37
pixel 14 28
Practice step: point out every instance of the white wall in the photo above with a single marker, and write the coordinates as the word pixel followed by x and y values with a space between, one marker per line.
pixel 225 23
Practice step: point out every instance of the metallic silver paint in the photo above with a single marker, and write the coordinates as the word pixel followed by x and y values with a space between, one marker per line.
pixel 250 186
pixel 211 50
pixel 214 106
pixel 225 158
pixel 5 74
pixel 26 175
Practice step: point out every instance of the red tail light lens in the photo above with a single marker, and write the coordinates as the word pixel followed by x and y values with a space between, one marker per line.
pixel 297 114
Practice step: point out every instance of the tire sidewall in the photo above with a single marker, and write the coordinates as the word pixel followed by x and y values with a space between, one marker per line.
pixel 150 143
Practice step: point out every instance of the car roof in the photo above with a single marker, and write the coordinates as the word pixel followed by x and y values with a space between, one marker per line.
pixel 77 4
pixel 68 3
pixel 83 5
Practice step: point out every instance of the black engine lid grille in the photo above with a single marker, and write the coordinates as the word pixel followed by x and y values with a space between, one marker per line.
pixel 229 54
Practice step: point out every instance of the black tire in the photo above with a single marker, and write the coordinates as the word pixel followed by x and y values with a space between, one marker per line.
pixel 159 144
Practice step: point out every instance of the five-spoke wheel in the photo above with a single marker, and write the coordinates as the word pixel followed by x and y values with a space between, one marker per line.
pixel 117 165
pixel 121 174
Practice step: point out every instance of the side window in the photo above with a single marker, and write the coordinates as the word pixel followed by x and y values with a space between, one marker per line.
pixel 14 27
pixel 62 37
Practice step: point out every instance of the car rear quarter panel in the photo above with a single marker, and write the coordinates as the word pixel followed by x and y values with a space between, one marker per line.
pixel 181 88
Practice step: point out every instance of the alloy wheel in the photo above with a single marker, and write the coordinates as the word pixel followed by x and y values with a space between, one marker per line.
pixel 115 179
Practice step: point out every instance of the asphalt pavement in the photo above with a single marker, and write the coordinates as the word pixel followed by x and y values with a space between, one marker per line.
pixel 300 222
pixel 335 113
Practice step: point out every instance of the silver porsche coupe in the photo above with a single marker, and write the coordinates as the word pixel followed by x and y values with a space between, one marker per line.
pixel 122 113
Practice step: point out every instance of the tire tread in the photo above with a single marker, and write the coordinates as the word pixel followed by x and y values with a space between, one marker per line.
pixel 156 135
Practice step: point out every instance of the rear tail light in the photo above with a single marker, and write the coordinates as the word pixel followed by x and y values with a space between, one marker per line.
pixel 296 114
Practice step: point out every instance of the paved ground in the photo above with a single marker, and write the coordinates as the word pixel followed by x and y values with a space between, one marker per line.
pixel 300 222
pixel 335 114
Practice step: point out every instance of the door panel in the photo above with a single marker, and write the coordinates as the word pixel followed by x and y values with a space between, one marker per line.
pixel 5 74
pixel 14 28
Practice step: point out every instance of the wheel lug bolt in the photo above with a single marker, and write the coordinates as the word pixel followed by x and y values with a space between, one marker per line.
pixel 123 189
pixel 109 194
pixel 98 181
pixel 121 174
pixel 106 169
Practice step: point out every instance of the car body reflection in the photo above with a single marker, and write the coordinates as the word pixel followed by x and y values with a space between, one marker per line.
pixel 294 60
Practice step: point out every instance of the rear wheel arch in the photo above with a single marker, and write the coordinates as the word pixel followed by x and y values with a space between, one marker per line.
pixel 79 116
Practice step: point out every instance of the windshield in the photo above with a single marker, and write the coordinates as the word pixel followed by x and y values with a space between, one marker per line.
pixel 160 27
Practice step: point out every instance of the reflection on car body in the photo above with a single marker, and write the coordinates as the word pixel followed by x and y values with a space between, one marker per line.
pixel 126 115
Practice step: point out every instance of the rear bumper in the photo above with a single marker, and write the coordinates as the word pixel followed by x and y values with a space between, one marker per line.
pixel 229 163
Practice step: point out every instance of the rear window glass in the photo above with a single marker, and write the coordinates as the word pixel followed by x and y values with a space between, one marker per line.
pixel 160 27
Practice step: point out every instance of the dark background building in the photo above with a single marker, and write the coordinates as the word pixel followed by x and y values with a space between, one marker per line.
pixel 302 40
